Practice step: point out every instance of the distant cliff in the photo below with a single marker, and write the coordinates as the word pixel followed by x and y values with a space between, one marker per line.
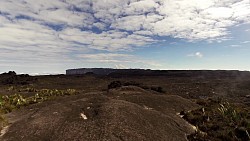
pixel 169 73
pixel 102 71
pixel 98 71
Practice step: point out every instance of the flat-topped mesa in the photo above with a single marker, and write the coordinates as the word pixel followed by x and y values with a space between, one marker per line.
pixel 99 71
pixel 169 73
pixel 104 71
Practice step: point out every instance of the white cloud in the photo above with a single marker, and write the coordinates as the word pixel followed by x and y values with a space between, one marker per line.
pixel 130 23
pixel 133 15
pixel 107 57
pixel 196 54
pixel 196 20
pixel 54 28
pixel 100 25
pixel 140 7
pixel 219 12
pixel 173 43
pixel 235 46
pixel 245 42
pixel 121 59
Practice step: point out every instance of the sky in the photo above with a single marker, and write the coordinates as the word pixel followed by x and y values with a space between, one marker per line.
pixel 50 36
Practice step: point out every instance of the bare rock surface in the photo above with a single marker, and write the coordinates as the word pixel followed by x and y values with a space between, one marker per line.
pixel 124 114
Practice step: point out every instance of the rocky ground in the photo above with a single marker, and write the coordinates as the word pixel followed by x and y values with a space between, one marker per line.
pixel 130 114
pixel 90 107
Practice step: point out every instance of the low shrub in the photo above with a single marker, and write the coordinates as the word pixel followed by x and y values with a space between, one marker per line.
pixel 157 89
pixel 115 84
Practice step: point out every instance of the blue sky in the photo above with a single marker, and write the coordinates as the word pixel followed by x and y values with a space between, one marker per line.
pixel 46 36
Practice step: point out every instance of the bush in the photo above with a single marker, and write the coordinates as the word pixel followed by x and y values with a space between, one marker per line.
pixel 158 89
pixel 12 73
pixel 115 84
pixel 132 83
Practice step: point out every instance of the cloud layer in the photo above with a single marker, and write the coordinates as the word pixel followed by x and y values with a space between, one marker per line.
pixel 53 29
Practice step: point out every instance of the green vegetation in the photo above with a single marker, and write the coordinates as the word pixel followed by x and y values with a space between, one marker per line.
pixel 229 113
pixel 114 84
pixel 117 84
pixel 218 120
pixel 9 103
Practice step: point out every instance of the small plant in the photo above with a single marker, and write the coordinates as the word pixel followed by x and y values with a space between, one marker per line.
pixel 70 92
pixel 229 112
pixel 8 103
pixel 11 88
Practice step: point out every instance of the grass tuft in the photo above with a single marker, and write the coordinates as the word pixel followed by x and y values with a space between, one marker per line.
pixel 219 121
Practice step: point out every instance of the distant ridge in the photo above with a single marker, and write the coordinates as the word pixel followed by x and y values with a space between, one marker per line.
pixel 148 72
pixel 98 71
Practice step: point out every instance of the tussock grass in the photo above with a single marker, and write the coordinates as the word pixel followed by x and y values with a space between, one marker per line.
pixel 219 120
